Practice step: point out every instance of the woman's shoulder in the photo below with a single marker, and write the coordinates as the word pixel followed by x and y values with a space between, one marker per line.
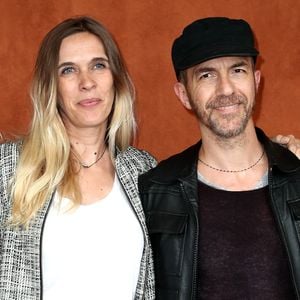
pixel 10 149
pixel 138 157
pixel 138 154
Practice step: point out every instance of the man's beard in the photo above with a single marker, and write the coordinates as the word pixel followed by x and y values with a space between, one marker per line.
pixel 227 125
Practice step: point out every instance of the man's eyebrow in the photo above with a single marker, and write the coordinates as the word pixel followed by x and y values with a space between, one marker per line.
pixel 199 70
pixel 204 69
pixel 240 64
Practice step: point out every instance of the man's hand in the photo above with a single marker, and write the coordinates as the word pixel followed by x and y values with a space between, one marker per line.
pixel 290 142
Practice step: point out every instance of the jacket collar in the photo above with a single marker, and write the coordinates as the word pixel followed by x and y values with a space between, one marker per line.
pixel 184 165
pixel 278 156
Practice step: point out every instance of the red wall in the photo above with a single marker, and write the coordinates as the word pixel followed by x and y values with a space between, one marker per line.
pixel 145 31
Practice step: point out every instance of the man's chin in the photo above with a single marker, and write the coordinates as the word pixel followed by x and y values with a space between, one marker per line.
pixel 228 132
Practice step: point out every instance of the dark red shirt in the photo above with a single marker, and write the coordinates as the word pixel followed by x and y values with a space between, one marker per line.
pixel 241 255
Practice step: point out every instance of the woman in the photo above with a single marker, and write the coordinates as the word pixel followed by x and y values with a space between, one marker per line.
pixel 72 225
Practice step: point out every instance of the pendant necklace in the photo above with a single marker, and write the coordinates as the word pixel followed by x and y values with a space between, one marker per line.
pixel 86 166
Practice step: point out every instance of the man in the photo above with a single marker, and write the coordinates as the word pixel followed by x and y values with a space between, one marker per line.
pixel 223 215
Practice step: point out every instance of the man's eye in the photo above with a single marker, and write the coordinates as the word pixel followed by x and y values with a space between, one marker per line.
pixel 239 71
pixel 204 75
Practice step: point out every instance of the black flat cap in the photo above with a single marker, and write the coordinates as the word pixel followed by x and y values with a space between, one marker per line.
pixel 209 38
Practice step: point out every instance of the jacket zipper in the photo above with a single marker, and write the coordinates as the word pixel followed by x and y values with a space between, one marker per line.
pixel 281 234
pixel 195 252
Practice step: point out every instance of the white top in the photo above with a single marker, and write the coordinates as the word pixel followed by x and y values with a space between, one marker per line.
pixel 92 252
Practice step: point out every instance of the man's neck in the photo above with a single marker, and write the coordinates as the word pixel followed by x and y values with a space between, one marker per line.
pixel 236 163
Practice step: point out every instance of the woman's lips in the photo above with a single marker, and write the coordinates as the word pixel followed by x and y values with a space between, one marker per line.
pixel 89 102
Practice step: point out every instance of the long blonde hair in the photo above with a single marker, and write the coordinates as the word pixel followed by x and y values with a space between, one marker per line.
pixel 45 162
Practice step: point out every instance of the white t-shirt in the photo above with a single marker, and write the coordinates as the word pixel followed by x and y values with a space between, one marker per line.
pixel 92 252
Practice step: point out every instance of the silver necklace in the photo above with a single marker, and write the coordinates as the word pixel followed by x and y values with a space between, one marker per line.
pixel 93 163
pixel 233 171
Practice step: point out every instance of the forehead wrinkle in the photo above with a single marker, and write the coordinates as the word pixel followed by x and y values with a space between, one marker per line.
pixel 211 63
pixel 81 45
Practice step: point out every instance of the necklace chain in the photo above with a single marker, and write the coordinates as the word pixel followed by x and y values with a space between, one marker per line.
pixel 233 171
pixel 93 163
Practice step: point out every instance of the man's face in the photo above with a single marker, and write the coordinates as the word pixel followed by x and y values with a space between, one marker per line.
pixel 221 92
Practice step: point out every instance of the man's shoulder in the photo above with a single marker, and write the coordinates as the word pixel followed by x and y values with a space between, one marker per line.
pixel 278 155
pixel 179 165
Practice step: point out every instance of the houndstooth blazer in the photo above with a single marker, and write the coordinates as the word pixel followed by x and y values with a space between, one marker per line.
pixel 20 250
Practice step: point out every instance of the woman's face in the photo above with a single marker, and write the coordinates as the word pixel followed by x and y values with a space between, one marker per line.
pixel 85 82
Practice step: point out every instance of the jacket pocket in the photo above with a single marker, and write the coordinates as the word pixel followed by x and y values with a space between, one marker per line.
pixel 167 233
pixel 295 208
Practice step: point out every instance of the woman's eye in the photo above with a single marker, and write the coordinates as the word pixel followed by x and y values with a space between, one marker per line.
pixel 100 66
pixel 67 70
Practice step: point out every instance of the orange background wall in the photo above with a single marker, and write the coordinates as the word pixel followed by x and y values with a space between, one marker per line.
pixel 145 30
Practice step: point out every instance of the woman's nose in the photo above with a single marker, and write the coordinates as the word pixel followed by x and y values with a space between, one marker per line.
pixel 86 81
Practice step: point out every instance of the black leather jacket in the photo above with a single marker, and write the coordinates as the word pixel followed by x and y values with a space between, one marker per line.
pixel 169 197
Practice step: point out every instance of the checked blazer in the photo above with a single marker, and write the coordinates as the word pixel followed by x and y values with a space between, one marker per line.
pixel 20 249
